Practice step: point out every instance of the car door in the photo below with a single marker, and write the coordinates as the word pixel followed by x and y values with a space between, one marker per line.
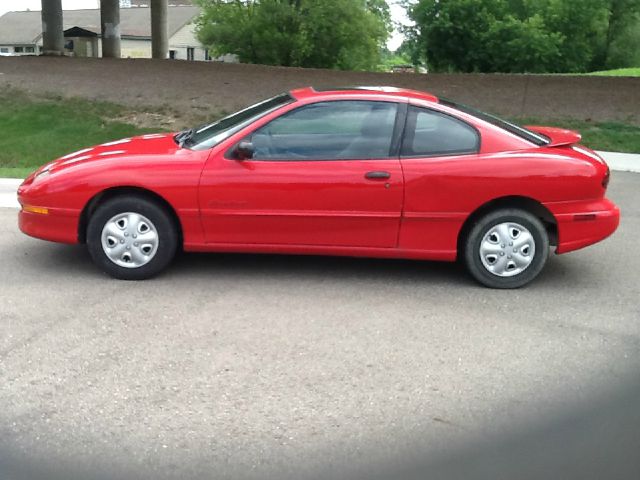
pixel 438 152
pixel 323 174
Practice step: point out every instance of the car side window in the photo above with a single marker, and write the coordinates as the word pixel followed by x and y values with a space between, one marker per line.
pixel 338 130
pixel 431 133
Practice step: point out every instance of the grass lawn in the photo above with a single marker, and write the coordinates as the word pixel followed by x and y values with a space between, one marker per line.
pixel 620 72
pixel 37 130
pixel 607 136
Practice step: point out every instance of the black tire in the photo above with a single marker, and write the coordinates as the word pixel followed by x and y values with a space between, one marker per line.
pixel 165 228
pixel 483 227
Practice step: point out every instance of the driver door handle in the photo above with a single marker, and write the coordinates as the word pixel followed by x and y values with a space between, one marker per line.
pixel 377 175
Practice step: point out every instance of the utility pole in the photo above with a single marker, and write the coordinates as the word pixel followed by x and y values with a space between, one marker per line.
pixel 159 36
pixel 52 30
pixel 110 28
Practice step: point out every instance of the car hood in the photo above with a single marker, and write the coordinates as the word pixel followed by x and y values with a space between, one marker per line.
pixel 557 136
pixel 156 144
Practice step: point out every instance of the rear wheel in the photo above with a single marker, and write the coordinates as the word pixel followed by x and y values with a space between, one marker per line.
pixel 131 238
pixel 506 248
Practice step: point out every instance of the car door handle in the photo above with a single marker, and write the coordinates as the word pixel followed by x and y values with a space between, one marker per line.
pixel 377 175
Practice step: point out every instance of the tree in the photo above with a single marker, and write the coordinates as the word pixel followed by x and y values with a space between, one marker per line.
pixel 623 29
pixel 482 36
pixel 345 34
pixel 520 35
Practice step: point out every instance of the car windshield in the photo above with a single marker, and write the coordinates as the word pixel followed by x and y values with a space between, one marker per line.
pixel 521 132
pixel 209 135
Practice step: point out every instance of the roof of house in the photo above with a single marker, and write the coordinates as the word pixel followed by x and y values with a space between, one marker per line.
pixel 26 27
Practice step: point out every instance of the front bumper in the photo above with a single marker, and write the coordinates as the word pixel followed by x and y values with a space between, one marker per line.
pixel 581 224
pixel 58 225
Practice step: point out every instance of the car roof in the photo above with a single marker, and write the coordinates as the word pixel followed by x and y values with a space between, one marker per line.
pixel 393 92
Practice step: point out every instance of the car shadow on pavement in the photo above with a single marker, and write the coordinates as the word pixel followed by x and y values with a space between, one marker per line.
pixel 318 268
pixel 312 267
pixel 56 259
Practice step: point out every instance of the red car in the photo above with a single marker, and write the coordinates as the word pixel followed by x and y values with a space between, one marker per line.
pixel 376 172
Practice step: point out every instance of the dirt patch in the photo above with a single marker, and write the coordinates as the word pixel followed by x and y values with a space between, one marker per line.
pixel 190 92
pixel 151 120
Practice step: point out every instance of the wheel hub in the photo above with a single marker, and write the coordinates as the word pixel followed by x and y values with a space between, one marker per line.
pixel 130 240
pixel 507 249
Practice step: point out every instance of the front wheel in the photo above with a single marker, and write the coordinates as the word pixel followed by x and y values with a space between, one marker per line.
pixel 506 248
pixel 131 238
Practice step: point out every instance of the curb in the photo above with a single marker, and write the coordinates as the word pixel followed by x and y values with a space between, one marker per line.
pixel 622 162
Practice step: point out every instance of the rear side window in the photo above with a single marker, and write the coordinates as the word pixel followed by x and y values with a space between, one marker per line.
pixel 336 130
pixel 431 133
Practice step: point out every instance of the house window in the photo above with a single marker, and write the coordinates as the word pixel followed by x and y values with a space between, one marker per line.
pixel 29 49
pixel 172 54
pixel 190 53
pixel 207 57
pixel 18 49
pixel 4 50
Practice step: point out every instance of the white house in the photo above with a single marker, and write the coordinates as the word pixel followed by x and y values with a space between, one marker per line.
pixel 21 33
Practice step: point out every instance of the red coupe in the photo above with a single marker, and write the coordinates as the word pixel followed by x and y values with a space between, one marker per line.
pixel 377 172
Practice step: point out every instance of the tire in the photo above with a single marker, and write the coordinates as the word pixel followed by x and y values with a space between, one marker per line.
pixel 506 248
pixel 131 237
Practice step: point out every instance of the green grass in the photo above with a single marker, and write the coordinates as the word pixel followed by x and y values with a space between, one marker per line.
pixel 37 130
pixel 15 172
pixel 607 136
pixel 620 72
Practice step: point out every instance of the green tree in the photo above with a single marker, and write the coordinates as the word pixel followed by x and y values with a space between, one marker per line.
pixel 622 40
pixel 624 50
pixel 521 35
pixel 482 36
pixel 344 34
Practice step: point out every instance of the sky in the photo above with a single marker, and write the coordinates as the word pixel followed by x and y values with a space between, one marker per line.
pixel 394 42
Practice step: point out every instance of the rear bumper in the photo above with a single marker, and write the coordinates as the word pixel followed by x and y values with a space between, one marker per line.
pixel 581 224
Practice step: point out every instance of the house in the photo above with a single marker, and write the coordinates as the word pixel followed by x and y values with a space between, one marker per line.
pixel 21 33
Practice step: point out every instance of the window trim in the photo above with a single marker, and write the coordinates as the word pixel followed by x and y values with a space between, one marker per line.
pixel 242 126
pixel 410 126
pixel 519 131
pixel 396 135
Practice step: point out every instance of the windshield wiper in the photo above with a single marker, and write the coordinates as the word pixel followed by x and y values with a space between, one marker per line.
pixel 184 136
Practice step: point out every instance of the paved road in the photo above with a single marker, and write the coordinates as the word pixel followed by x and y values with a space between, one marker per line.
pixel 268 365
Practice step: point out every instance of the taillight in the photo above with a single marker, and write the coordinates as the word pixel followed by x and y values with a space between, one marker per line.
pixel 605 179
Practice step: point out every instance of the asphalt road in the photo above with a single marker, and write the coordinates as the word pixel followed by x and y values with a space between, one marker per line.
pixel 262 366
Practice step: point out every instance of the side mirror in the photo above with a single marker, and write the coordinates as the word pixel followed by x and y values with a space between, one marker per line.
pixel 244 151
